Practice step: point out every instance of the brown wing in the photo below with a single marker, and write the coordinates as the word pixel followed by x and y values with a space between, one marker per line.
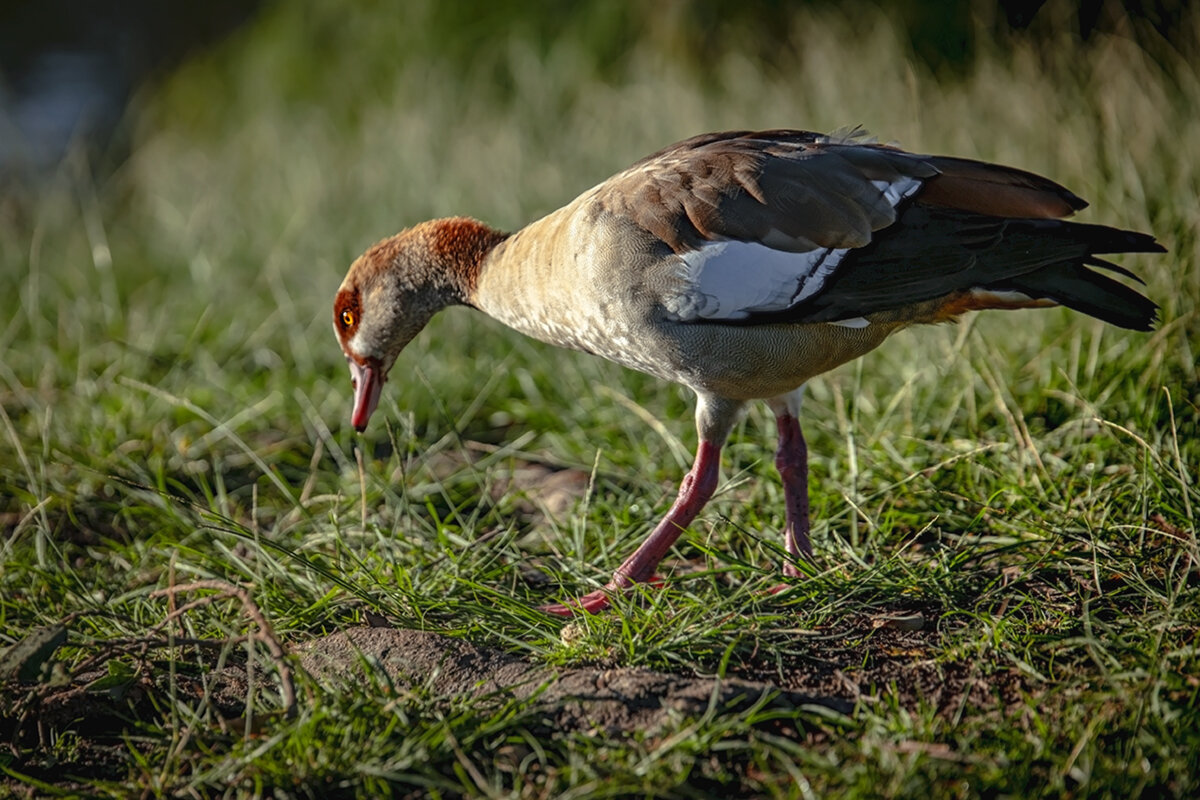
pixel 799 191
pixel 900 229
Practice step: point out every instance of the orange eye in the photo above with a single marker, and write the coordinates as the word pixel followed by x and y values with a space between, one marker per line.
pixel 347 318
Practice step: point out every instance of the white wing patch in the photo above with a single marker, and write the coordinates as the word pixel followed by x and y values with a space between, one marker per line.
pixel 732 280
pixel 897 190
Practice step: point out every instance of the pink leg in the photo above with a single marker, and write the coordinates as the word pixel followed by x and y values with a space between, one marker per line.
pixel 791 459
pixel 697 487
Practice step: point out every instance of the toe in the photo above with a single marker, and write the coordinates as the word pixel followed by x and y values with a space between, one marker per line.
pixel 592 603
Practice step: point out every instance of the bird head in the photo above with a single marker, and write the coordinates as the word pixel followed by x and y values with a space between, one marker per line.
pixel 390 293
pixel 394 289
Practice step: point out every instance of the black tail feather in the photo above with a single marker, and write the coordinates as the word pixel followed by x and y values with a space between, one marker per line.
pixel 1103 239
pixel 1075 286
pixel 1069 282
pixel 1111 267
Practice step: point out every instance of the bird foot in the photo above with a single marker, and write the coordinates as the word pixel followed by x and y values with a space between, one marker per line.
pixel 593 603
pixel 791 574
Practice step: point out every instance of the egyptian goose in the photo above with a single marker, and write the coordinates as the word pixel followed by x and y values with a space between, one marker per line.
pixel 742 264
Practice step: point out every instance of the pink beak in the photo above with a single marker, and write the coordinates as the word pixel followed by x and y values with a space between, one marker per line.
pixel 368 383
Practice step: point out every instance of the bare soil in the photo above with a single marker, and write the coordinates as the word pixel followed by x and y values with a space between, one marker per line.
pixel 884 654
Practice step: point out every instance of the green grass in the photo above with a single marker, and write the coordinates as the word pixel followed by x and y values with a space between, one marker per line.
pixel 175 409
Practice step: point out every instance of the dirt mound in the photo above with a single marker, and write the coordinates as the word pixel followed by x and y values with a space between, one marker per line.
pixel 613 700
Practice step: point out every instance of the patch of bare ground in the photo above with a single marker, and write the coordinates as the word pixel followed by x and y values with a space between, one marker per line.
pixel 100 716
pixel 898 654
pixel 67 733
pixel 613 700
pixel 881 654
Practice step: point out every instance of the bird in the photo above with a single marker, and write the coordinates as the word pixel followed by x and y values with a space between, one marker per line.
pixel 741 264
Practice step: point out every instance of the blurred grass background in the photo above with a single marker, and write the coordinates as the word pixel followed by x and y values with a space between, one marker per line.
pixel 167 363
pixel 203 263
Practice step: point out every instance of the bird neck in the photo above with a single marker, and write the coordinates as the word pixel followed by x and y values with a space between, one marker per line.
pixel 458 246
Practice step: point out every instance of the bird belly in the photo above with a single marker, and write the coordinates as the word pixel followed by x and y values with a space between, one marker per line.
pixel 747 363
pixel 734 362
